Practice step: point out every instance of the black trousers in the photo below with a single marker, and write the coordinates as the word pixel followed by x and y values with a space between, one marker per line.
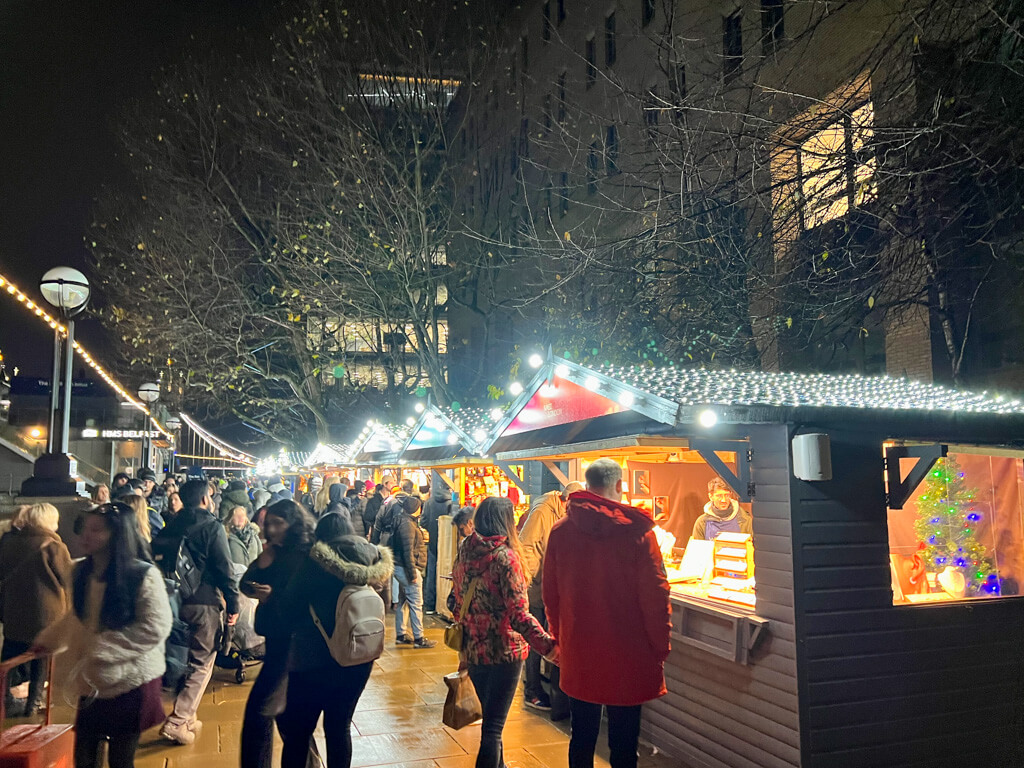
pixel 120 753
pixel 265 703
pixel 623 734
pixel 334 691
pixel 495 687
pixel 33 671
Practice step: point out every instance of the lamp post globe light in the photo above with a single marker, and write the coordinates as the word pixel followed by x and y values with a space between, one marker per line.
pixel 148 393
pixel 54 473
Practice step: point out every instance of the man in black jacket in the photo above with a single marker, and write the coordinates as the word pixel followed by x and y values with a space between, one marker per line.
pixel 438 505
pixel 410 552
pixel 207 544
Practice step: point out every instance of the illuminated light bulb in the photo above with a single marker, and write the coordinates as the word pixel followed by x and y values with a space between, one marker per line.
pixel 592 383
pixel 369 423
pixel 626 399
pixel 419 407
pixel 536 361
pixel 707 418
pixel 453 439
pixel 561 371
pixel 515 388
pixel 480 435
pixel 496 414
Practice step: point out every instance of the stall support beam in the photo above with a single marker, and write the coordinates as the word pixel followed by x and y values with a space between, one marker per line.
pixel 557 472
pixel 926 455
pixel 440 476
pixel 739 481
pixel 505 467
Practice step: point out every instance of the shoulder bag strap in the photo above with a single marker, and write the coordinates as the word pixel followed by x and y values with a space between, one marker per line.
pixel 469 597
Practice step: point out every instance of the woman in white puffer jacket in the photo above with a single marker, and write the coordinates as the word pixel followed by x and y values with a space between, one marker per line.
pixel 114 637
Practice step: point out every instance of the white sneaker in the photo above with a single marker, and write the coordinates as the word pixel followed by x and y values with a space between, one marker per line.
pixel 181 734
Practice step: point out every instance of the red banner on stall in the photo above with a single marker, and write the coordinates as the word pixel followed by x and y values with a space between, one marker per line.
pixel 561 402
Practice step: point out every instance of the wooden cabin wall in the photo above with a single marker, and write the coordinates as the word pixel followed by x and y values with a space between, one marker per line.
pixel 885 685
pixel 720 713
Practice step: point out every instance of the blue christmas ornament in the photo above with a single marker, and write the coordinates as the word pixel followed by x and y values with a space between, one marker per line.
pixel 974 517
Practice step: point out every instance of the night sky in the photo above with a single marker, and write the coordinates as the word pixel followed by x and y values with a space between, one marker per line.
pixel 66 69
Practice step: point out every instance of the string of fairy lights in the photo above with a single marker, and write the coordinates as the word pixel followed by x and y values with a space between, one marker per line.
pixel 92 362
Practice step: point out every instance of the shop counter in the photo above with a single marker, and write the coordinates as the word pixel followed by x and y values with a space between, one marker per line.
pixel 728 631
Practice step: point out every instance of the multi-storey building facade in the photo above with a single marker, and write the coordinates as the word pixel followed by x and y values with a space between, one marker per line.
pixel 784 184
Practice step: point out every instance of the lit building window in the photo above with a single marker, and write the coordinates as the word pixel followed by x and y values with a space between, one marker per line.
pixel 836 167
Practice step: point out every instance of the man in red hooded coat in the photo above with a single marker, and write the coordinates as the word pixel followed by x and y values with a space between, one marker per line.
pixel 607 604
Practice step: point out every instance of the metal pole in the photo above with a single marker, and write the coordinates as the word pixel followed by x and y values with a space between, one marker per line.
pixel 51 438
pixel 69 358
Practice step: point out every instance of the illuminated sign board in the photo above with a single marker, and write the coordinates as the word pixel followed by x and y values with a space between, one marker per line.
pixel 119 434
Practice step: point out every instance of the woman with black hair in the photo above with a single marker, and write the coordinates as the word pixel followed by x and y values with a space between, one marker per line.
pixel 317 684
pixel 116 630
pixel 288 528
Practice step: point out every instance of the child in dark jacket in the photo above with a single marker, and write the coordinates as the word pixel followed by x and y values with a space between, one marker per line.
pixel 317 684
pixel 410 550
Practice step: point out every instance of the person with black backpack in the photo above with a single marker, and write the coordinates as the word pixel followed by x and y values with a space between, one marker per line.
pixel 337 621
pixel 115 633
pixel 192 551
pixel 438 505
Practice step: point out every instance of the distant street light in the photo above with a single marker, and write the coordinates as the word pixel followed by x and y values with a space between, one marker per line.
pixel 148 393
pixel 68 290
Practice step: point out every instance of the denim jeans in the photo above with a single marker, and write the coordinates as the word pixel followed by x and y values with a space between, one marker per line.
pixel 410 594
pixel 623 734
pixel 495 687
pixel 430 583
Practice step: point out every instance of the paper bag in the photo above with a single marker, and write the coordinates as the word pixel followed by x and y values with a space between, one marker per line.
pixel 462 707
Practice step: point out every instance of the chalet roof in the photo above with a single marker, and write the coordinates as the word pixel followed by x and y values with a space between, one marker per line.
pixel 701 386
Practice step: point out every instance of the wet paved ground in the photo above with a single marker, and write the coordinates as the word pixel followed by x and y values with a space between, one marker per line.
pixel 397 723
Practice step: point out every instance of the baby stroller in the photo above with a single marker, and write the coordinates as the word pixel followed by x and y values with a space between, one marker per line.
pixel 240 647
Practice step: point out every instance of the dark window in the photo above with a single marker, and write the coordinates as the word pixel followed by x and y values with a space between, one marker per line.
pixel 524 137
pixel 561 11
pixel 609 39
pixel 591 54
pixel 652 112
pixel 563 203
pixel 592 167
pixel 547 113
pixel 561 97
pixel 611 150
pixel 524 50
pixel 646 12
pixel 732 46
pixel 546 26
pixel 773 28
pixel 513 156
pixel 677 89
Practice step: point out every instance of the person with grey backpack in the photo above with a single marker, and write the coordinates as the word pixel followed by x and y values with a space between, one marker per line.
pixel 337 622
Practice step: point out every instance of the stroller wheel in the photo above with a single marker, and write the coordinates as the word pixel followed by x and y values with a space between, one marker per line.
pixel 239 676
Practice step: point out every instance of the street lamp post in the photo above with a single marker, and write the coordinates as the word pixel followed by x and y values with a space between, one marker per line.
pixel 148 393
pixel 68 290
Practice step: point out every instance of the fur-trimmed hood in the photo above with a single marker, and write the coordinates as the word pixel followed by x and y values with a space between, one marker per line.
pixel 354 560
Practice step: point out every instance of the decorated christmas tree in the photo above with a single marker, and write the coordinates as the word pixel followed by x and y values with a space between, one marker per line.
pixel 947 522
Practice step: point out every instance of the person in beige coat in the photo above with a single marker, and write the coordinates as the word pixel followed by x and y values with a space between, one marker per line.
pixel 35 579
pixel 534 537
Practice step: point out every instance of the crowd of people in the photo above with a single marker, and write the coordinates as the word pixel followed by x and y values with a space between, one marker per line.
pixel 167 570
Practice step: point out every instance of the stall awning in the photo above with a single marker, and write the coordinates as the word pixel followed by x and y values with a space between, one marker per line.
pixel 634 445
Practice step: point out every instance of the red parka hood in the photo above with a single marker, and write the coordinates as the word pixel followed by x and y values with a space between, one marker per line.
pixel 600 517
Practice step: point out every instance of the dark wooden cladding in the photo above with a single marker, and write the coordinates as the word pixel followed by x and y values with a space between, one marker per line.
pixel 885 685
pixel 719 713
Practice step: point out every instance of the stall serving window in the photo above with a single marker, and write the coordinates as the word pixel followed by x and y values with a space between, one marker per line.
pixel 703 531
pixel 959 534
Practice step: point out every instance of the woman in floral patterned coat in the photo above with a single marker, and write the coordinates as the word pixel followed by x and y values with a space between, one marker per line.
pixel 498 630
